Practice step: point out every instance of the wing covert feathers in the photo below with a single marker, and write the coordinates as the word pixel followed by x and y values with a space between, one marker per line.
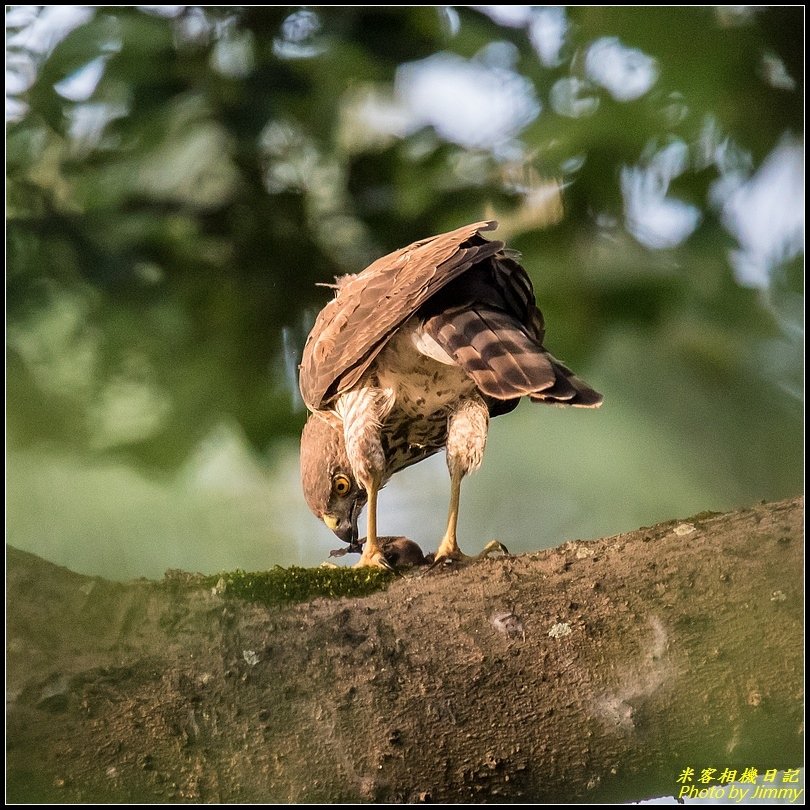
pixel 369 306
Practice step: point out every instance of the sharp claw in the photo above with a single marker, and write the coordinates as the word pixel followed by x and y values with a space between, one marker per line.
pixel 380 561
pixel 448 560
pixel 374 560
pixel 493 547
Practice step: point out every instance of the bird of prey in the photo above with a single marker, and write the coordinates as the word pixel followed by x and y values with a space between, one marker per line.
pixel 413 355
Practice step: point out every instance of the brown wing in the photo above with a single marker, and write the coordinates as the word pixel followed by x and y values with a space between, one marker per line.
pixel 351 329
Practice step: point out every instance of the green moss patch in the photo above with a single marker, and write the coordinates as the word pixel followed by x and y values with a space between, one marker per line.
pixel 285 585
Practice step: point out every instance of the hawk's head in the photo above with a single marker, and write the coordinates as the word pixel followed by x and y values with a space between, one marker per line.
pixel 326 475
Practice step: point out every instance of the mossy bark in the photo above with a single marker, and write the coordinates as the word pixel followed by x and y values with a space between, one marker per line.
pixel 596 671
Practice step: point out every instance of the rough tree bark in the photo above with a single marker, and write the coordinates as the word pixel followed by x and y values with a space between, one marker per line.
pixel 591 672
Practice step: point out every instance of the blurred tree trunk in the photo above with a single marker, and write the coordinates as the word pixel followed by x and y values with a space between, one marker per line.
pixel 596 671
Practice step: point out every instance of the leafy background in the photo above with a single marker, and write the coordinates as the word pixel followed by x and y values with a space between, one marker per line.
pixel 180 179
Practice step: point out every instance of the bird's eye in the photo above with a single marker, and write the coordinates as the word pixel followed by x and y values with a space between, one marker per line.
pixel 341 485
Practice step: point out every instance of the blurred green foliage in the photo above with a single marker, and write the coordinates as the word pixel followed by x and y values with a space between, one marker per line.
pixel 180 178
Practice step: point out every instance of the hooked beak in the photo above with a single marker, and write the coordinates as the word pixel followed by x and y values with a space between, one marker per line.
pixel 346 528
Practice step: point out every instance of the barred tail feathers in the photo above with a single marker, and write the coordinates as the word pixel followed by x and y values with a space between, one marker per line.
pixel 584 396
pixel 505 361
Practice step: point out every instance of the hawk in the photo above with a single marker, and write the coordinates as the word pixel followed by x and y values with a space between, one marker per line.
pixel 413 355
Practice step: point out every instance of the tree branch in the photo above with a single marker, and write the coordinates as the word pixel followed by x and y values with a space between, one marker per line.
pixel 596 671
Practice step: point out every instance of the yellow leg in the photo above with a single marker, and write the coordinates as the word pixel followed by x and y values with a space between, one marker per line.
pixel 448 547
pixel 372 553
